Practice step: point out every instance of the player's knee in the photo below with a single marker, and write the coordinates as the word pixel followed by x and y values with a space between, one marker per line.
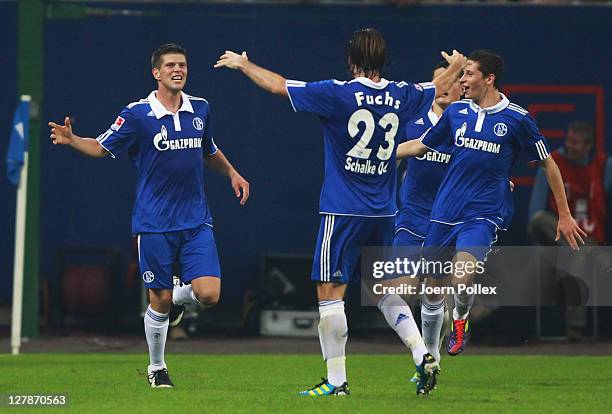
pixel 330 291
pixel 432 298
pixel 161 300
pixel 207 297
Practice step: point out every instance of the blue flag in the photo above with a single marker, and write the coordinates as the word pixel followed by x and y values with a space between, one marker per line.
pixel 18 143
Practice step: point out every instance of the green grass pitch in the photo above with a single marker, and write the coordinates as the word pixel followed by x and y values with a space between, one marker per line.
pixel 262 383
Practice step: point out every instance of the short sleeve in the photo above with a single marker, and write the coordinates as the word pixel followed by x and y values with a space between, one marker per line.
pixel 420 96
pixel 208 144
pixel 120 135
pixel 439 135
pixel 531 139
pixel 313 97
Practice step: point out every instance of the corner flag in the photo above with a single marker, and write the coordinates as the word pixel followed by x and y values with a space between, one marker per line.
pixel 18 141
pixel 16 158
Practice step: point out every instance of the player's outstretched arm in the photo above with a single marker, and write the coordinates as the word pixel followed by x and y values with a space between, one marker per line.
pixel 63 135
pixel 264 78
pixel 456 63
pixel 411 148
pixel 221 164
pixel 566 226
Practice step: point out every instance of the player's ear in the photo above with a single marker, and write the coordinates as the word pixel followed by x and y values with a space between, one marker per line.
pixel 156 74
pixel 490 79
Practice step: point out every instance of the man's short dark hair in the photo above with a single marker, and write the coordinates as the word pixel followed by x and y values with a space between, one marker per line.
pixel 367 52
pixel 585 129
pixel 489 64
pixel 165 49
pixel 441 64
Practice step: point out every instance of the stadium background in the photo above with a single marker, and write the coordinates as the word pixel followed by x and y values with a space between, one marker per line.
pixel 96 60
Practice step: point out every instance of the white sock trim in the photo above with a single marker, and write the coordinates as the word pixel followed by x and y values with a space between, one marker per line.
pixel 432 308
pixel 333 308
pixel 157 316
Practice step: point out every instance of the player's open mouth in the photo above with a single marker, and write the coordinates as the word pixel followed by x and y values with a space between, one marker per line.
pixel 177 78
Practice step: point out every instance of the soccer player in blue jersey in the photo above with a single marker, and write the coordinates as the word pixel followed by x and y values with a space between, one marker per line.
pixel 416 197
pixel 361 119
pixel 486 132
pixel 169 138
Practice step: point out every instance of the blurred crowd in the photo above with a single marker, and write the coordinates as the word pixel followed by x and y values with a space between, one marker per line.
pixel 404 3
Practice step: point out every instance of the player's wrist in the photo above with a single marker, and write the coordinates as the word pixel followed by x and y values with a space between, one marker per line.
pixel 243 64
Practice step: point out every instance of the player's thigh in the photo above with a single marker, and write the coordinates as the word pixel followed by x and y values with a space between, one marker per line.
pixel 465 265
pixel 198 255
pixel 156 252
pixel 438 250
pixel 476 238
pixel 407 248
pixel 380 234
pixel 405 255
pixel 474 243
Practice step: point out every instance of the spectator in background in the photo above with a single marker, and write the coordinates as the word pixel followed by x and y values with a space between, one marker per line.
pixel 587 175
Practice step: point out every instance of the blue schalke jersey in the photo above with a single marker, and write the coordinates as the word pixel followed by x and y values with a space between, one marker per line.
pixel 361 120
pixel 422 180
pixel 168 152
pixel 485 143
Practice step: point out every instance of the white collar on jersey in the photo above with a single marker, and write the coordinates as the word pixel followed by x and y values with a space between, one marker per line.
pixel 160 110
pixel 370 83
pixel 501 105
pixel 433 117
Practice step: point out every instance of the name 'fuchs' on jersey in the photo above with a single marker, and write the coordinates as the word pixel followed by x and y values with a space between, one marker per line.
pixel 360 171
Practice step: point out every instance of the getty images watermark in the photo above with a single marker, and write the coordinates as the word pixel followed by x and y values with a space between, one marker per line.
pixel 386 270
pixel 505 276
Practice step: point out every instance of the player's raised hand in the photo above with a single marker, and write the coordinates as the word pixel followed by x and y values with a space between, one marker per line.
pixel 241 188
pixel 570 230
pixel 455 57
pixel 231 60
pixel 61 134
